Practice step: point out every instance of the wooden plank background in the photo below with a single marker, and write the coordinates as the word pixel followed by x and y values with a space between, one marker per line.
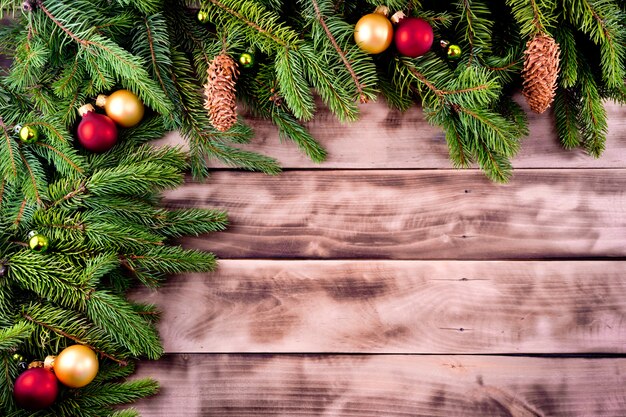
pixel 384 283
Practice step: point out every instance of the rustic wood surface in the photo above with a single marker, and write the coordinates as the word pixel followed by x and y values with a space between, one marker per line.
pixel 385 385
pixel 410 214
pixel 383 283
pixel 396 307
pixel 386 138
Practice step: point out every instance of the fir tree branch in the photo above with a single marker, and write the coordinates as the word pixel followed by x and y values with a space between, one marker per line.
pixel 33 180
pixel 74 339
pixel 285 42
pixel 9 147
pixel 155 64
pixel 362 97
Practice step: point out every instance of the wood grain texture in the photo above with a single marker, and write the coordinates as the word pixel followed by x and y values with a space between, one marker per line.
pixel 385 138
pixel 413 214
pixel 396 306
pixel 388 385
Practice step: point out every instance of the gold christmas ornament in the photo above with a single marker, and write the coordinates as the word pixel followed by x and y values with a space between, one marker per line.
pixel 76 366
pixel 123 106
pixel 220 92
pixel 373 32
pixel 541 69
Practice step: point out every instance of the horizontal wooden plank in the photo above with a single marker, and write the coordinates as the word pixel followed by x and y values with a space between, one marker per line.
pixel 433 386
pixel 396 306
pixel 385 138
pixel 413 214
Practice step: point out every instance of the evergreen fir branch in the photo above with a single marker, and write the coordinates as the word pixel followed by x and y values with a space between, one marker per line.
pixel 9 154
pixel 337 98
pixel 49 277
pixel 11 337
pixel 566 111
pixel 289 128
pixel 8 373
pixel 476 23
pixel 188 35
pixel 260 26
pixel 568 65
pixel 603 21
pixel 490 129
pixel 533 16
pixel 195 128
pixel 130 412
pixel 394 4
pixel 9 6
pixel 151 42
pixel 144 6
pixel 191 222
pixel 497 167
pixel 137 179
pixel 592 117
pixel 322 13
pixel 34 186
pixel 460 154
pixel 112 371
pixel 290 70
pixel 394 98
pixel 108 58
pixel 514 113
pixel 171 260
pixel 70 327
pixel 28 64
pixel 105 231
pixel 99 397
pixel 236 157
pixel 120 321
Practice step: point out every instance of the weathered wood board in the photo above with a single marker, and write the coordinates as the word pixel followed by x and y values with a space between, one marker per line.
pixel 385 385
pixel 408 214
pixel 383 283
pixel 396 307
pixel 385 138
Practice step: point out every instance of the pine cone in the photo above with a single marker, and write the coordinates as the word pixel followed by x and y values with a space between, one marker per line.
pixel 541 69
pixel 220 92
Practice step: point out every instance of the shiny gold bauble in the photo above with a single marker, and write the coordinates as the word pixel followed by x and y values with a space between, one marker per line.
pixel 373 33
pixel 76 366
pixel 123 107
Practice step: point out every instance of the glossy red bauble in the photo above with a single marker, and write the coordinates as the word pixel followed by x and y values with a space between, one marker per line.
pixel 96 132
pixel 413 37
pixel 36 388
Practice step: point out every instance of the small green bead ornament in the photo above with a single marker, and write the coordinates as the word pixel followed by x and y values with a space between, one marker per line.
pixel 454 52
pixel 203 16
pixel 28 134
pixel 246 60
pixel 37 242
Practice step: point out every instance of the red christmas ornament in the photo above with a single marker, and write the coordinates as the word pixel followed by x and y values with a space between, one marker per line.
pixel 36 388
pixel 413 37
pixel 96 132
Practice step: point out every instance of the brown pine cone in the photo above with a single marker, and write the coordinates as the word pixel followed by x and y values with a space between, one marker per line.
pixel 220 92
pixel 541 69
